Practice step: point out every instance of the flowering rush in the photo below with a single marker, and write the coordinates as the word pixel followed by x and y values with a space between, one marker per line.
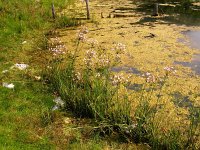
pixel 119 79
pixel 90 58
pixel 150 78
pixel 92 41
pixel 82 34
pixel 57 47
pixel 120 47
pixel 170 69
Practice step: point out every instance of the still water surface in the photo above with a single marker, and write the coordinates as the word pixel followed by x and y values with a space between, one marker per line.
pixel 194 42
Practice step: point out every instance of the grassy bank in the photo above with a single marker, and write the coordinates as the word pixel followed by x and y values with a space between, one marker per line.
pixel 23 109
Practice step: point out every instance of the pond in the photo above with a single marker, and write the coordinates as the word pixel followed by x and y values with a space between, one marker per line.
pixel 172 12
pixel 181 14
pixel 127 70
pixel 194 42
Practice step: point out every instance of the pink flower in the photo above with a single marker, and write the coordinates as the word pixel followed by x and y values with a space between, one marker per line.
pixel 82 34
pixel 149 77
pixel 170 69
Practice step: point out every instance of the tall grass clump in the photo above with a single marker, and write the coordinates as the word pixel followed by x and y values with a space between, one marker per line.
pixel 193 141
pixel 91 91
pixel 148 128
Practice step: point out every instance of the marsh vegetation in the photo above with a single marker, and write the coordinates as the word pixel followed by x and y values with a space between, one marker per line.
pixel 116 81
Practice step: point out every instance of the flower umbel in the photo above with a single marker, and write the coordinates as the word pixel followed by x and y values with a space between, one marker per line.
pixel 170 69
pixel 119 79
pixel 57 47
pixel 120 47
pixel 91 55
pixel 82 34
pixel 149 77
pixel 93 42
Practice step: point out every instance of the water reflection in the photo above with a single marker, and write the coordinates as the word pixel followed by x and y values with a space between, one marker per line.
pixel 127 70
pixel 170 11
pixel 181 100
pixel 194 38
pixel 135 87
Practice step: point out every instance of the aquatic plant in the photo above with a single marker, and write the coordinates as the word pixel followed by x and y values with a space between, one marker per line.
pixel 88 92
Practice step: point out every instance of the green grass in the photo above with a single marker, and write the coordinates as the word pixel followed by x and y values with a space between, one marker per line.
pixel 22 108
pixel 22 19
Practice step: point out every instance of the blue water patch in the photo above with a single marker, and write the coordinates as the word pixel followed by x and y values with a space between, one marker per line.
pixel 194 42
pixel 127 70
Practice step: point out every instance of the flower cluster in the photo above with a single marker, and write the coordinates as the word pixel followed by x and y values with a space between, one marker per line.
pixel 169 70
pixel 90 58
pixel 21 66
pixel 93 59
pixel 92 41
pixel 119 79
pixel 103 61
pixel 150 78
pixel 57 47
pixel 91 54
pixel 117 58
pixel 5 71
pixel 119 47
pixel 82 34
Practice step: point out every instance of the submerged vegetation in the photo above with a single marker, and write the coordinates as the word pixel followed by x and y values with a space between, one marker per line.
pixel 67 95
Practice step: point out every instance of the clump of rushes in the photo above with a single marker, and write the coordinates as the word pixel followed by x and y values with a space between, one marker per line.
pixel 89 92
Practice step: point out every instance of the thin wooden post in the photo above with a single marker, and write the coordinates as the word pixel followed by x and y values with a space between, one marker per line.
pixel 155 10
pixel 53 10
pixel 88 9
